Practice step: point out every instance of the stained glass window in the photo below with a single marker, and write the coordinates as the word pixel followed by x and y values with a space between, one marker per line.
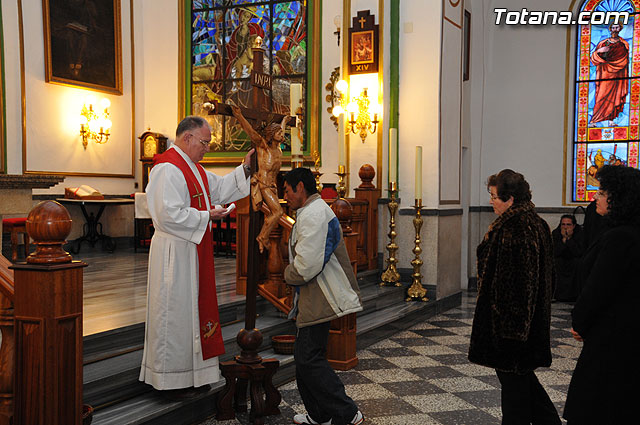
pixel 222 35
pixel 607 111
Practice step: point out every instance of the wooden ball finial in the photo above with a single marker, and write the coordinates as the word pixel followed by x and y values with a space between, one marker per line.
pixel 366 174
pixel 343 210
pixel 49 224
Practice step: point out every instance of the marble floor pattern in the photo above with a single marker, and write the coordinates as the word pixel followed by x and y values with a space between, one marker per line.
pixel 421 376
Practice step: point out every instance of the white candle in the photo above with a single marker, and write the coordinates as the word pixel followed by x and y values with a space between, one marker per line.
pixel 341 146
pixel 393 154
pixel 418 172
pixel 295 94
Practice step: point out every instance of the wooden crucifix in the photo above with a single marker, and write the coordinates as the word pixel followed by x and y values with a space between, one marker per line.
pixel 249 367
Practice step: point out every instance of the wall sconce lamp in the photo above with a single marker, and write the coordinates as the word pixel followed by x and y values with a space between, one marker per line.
pixel 337 21
pixel 95 125
pixel 361 118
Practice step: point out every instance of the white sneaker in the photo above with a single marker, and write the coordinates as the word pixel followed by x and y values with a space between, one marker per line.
pixel 306 419
pixel 357 419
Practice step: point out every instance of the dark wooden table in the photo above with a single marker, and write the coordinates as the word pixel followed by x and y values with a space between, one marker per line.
pixel 92 228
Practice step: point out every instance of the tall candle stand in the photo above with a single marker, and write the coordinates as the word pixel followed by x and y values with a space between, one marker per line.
pixel 341 187
pixel 317 173
pixel 296 161
pixel 416 291
pixel 391 277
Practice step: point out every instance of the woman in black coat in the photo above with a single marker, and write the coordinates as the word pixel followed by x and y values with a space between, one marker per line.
pixel 567 252
pixel 603 387
pixel 511 324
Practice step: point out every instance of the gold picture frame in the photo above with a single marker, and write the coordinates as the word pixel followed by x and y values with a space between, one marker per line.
pixel 83 44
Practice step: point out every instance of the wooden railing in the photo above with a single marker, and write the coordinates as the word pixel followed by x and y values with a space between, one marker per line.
pixel 7 346
pixel 41 327
pixel 273 288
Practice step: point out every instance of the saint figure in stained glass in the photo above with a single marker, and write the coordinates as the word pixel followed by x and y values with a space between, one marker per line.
pixel 239 53
pixel 607 90
pixel 611 58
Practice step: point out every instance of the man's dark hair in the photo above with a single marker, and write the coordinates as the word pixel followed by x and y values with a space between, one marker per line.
pixel 622 186
pixel 189 123
pixel 570 217
pixel 509 183
pixel 303 175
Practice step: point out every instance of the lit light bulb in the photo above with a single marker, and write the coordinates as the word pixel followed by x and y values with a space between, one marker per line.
pixel 342 86
pixel 83 120
pixel 337 111
pixel 105 103
pixel 107 124
pixel 352 107
pixel 94 126
pixel 91 100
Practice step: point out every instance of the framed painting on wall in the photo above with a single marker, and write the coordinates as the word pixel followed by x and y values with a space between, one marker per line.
pixel 83 44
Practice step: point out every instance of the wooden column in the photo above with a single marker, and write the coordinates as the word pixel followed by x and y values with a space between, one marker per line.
pixel 341 348
pixel 368 192
pixel 48 324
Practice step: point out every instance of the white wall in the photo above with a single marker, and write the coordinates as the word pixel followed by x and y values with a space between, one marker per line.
pixel 419 97
pixel 518 99
pixel 52 141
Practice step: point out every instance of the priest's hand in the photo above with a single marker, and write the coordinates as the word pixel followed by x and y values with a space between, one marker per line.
pixel 246 163
pixel 218 213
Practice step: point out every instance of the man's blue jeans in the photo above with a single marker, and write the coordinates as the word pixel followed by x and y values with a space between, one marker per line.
pixel 320 388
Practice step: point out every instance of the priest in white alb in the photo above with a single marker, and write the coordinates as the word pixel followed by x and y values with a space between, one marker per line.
pixel 183 336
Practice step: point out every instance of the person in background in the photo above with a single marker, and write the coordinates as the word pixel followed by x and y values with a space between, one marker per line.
pixel 567 251
pixel 511 329
pixel 603 388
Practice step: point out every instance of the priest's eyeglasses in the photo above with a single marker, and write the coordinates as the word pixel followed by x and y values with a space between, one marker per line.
pixel 205 143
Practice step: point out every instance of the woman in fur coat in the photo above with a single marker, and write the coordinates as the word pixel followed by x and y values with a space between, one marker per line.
pixel 511 325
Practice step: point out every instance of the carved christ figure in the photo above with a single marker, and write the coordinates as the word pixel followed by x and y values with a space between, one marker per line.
pixel 263 182
pixel 611 58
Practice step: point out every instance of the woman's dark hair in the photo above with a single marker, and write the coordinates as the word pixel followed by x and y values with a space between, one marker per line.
pixel 303 175
pixel 622 185
pixel 509 183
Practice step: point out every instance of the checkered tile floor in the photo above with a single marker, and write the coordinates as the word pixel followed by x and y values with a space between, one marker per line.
pixel 422 375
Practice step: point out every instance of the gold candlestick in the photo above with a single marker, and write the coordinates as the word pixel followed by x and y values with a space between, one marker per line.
pixel 317 173
pixel 390 276
pixel 341 187
pixel 416 291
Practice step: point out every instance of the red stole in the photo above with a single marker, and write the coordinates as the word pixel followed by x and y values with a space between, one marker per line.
pixel 210 331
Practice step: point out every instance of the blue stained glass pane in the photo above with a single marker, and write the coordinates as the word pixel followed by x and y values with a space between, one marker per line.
pixel 601 154
pixel 243 26
pixel 206 42
pixel 289 38
pixel 201 4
